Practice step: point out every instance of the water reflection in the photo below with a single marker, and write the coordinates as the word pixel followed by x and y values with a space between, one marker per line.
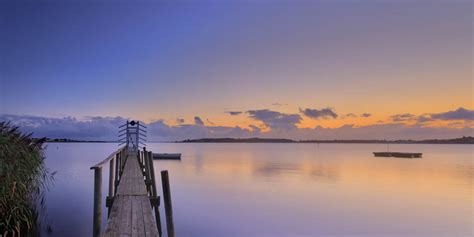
pixel 322 171
pixel 275 169
pixel 287 189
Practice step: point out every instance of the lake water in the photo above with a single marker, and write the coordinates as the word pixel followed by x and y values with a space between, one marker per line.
pixel 285 189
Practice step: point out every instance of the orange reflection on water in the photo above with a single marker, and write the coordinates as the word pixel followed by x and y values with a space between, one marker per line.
pixel 332 183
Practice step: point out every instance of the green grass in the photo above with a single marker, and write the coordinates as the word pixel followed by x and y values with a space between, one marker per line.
pixel 23 179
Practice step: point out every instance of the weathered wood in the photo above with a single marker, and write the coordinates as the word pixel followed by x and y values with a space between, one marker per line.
pixel 153 230
pixel 97 216
pixel 132 180
pixel 152 174
pixel 157 216
pixel 131 214
pixel 123 159
pixel 167 201
pixel 154 194
pixel 117 172
pixel 138 225
pixel 147 171
pixel 111 177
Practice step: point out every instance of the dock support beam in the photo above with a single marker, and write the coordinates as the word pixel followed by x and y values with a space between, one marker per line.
pixel 117 172
pixel 167 200
pixel 110 198
pixel 111 177
pixel 97 218
pixel 154 192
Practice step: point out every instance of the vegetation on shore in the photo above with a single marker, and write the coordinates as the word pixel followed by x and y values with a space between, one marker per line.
pixel 462 140
pixel 23 179
pixel 66 140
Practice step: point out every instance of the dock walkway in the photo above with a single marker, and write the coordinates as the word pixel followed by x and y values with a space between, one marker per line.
pixel 132 201
pixel 131 212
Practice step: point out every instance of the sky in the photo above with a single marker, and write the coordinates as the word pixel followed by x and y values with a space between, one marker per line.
pixel 343 69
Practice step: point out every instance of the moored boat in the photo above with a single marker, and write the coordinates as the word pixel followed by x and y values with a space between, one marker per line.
pixel 398 154
pixel 167 156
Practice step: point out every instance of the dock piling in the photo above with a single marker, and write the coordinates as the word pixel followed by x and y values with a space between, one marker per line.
pixel 97 218
pixel 132 199
pixel 147 172
pixel 154 193
pixel 111 177
pixel 117 172
pixel 167 201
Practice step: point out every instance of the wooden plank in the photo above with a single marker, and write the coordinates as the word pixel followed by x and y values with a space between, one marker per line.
pixel 132 179
pixel 138 224
pixel 149 220
pixel 131 213
pixel 131 216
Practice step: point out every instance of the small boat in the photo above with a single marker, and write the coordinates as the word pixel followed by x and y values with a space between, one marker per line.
pixel 398 154
pixel 167 156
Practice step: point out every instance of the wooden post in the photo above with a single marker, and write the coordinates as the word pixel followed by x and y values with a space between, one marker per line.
pixel 142 161
pixel 154 192
pixel 140 153
pixel 122 158
pixel 117 172
pixel 110 197
pixel 111 177
pixel 97 218
pixel 147 171
pixel 157 216
pixel 167 200
pixel 119 161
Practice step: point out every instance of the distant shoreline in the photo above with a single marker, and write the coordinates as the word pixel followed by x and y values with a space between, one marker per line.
pixel 66 140
pixel 463 140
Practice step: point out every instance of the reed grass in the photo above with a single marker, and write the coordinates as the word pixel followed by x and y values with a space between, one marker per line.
pixel 23 180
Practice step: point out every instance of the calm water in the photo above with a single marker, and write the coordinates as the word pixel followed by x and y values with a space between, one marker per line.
pixel 286 189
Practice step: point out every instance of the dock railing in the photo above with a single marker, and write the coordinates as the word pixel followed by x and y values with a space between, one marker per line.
pixel 116 162
pixel 145 159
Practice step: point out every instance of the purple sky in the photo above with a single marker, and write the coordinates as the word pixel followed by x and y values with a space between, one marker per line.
pixel 296 69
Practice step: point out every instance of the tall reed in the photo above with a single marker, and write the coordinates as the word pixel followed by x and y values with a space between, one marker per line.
pixel 23 180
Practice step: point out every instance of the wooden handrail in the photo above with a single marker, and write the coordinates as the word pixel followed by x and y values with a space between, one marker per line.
pixel 111 156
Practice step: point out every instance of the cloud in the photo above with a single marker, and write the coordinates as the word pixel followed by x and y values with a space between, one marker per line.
pixel 278 104
pixel 459 114
pixel 366 115
pixel 179 121
pixel 255 128
pixel 198 121
pixel 349 115
pixel 281 126
pixel 390 131
pixel 234 112
pixel 423 119
pixel 403 117
pixel 274 119
pixel 106 128
pixel 159 131
pixel 318 114
pixel 89 128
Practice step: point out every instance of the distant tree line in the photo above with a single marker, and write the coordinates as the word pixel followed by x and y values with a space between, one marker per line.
pixel 461 140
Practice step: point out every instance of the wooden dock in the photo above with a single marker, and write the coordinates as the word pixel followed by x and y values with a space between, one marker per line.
pixel 131 213
pixel 132 201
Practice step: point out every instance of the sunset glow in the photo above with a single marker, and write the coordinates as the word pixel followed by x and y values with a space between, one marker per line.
pixel 172 62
